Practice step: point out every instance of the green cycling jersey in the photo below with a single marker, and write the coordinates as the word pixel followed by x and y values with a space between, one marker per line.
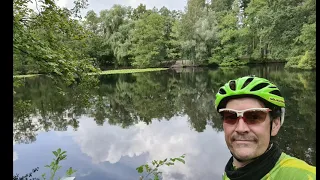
pixel 288 167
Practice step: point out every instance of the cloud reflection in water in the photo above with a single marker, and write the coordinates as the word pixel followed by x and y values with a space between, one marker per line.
pixel 206 152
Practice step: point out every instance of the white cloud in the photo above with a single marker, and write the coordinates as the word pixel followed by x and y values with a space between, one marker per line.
pixel 15 156
pixel 206 152
pixel 62 3
pixel 36 5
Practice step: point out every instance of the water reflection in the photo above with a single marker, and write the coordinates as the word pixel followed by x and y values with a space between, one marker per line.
pixel 15 155
pixel 158 140
pixel 134 118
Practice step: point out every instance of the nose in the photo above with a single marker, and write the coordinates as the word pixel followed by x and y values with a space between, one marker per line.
pixel 242 126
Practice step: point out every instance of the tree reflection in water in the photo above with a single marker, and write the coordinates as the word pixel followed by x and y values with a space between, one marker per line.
pixel 127 99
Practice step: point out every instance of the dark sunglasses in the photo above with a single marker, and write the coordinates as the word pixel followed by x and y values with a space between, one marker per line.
pixel 250 116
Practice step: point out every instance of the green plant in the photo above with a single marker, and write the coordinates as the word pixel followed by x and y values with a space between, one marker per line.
pixel 156 164
pixel 27 176
pixel 61 155
pixel 54 166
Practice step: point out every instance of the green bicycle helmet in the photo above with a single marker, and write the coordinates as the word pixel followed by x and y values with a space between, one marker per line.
pixel 250 86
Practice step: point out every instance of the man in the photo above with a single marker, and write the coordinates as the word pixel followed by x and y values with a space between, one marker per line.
pixel 252 110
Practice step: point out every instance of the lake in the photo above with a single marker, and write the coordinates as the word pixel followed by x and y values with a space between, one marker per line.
pixel 111 126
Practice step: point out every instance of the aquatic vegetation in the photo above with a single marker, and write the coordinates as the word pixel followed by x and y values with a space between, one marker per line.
pixel 54 167
pixel 61 155
pixel 154 168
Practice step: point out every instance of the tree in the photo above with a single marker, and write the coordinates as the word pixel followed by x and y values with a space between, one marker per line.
pixel 49 41
pixel 148 41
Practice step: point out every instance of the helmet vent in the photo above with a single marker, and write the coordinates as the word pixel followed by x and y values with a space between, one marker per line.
pixel 222 91
pixel 247 82
pixel 232 85
pixel 276 92
pixel 259 86
pixel 272 87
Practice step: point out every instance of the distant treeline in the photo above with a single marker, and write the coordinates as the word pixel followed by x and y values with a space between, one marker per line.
pixel 55 40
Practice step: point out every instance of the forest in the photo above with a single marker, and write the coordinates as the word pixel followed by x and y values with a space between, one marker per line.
pixel 59 42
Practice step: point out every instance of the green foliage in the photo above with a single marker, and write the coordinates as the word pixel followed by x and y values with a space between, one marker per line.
pixel 229 61
pixel 54 165
pixel 27 176
pixel 194 10
pixel 24 129
pixel 306 61
pixel 58 42
pixel 274 27
pixel 231 41
pixel 174 44
pixel 156 164
pixel 49 41
pixel 308 35
pixel 221 5
pixel 61 155
pixel 148 41
pixel 303 54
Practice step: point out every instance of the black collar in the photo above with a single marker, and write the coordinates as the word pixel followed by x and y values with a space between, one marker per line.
pixel 257 168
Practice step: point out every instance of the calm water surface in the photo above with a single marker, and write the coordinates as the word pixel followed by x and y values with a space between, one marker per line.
pixel 112 126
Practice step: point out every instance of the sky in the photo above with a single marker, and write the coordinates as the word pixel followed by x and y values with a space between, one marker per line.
pixel 98 5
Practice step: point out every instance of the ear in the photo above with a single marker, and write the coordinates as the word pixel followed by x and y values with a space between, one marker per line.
pixel 275 126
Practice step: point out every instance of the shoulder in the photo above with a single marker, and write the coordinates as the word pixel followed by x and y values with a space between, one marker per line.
pixel 289 167
pixel 224 176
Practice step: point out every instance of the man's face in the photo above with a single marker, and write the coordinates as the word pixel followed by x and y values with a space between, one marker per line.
pixel 247 141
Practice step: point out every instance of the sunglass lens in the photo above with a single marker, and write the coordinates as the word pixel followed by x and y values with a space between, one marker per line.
pixel 229 117
pixel 254 117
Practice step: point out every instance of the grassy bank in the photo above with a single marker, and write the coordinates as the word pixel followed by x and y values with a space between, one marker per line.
pixel 25 76
pixel 117 71
pixel 124 71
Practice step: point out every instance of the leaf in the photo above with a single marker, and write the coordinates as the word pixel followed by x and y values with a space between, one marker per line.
pixel 70 171
pixel 59 150
pixel 140 169
pixel 57 72
pixel 148 169
pixel 63 157
pixel 156 177
pixel 55 153
pixel 169 163
pixel 181 160
pixel 52 163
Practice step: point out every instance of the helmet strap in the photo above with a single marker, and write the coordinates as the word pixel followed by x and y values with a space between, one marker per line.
pixel 270 128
